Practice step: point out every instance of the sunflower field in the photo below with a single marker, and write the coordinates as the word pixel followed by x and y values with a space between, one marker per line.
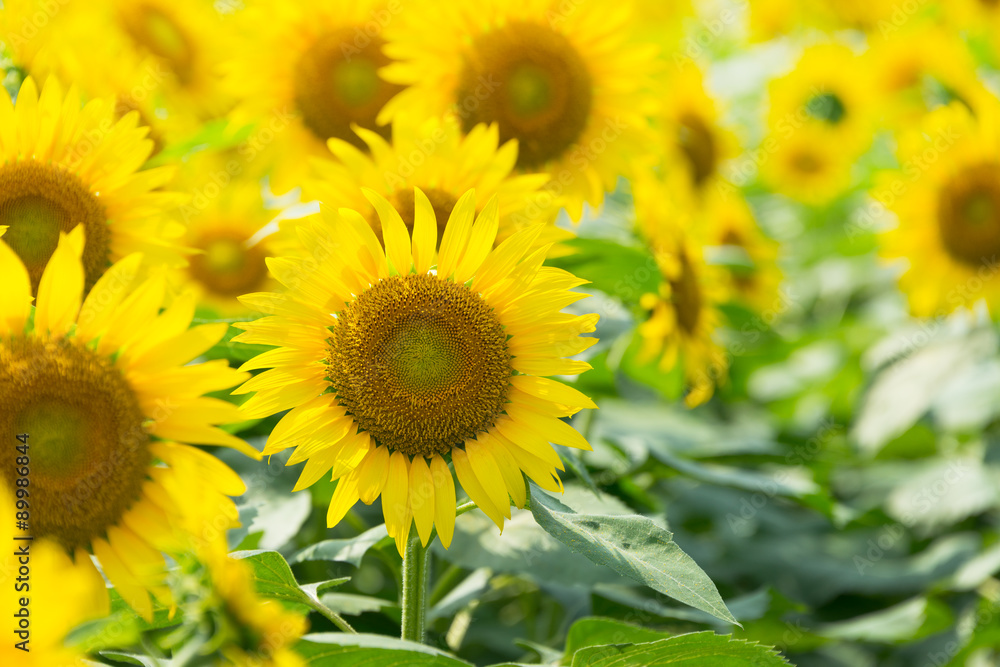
pixel 433 333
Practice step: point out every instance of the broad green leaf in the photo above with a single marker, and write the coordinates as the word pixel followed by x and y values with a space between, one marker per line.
pixel 596 631
pixel 132 658
pixel 273 578
pixel 633 546
pixel 122 627
pixel 332 649
pixel 348 550
pixel 620 271
pixel 698 649
pixel 352 604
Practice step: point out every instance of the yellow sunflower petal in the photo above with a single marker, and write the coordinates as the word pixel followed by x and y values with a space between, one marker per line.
pixel 61 288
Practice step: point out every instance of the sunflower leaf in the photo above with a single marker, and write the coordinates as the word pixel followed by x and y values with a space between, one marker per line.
pixel 697 649
pixel 633 546
pixel 346 650
pixel 273 578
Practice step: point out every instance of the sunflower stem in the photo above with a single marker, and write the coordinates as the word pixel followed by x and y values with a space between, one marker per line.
pixel 333 617
pixel 416 565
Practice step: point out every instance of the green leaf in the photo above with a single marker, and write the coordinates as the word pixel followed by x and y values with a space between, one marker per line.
pixel 121 627
pixel 633 546
pixel 352 604
pixel 273 578
pixel 698 649
pixel 331 649
pixel 133 658
pixel 348 550
pixel 620 271
pixel 596 631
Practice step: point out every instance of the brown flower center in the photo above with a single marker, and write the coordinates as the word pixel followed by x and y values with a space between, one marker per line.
pixel 968 214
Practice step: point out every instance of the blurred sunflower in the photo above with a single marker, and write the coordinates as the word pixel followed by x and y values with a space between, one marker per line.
pixel 310 72
pixel 696 143
pixel 252 631
pixel 223 217
pixel 427 356
pixel 920 69
pixel 65 167
pixel 62 596
pixel 683 313
pixel 568 82
pixel 949 210
pixel 829 92
pixel 103 392
pixel 807 165
pixel 433 155
pixel 157 48
pixel 753 275
pixel 976 16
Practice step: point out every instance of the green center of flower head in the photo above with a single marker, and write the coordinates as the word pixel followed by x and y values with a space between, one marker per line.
pixel 420 362
pixel 337 84
pixel 87 449
pixel 152 29
pixel 969 214
pixel 533 83
pixel 37 201
pixel 827 107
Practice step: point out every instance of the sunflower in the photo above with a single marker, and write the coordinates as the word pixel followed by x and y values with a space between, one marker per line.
pixel 753 275
pixel 395 360
pixel 102 391
pixel 981 17
pixel 170 49
pixel 62 596
pixel 683 313
pixel 255 632
pixel 695 142
pixel 948 209
pixel 65 167
pixel 920 69
pixel 307 73
pixel 223 217
pixel 433 155
pixel 807 165
pixel 567 81
pixel 829 92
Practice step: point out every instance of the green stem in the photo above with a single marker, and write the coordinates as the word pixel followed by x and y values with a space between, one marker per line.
pixel 333 617
pixel 465 507
pixel 416 564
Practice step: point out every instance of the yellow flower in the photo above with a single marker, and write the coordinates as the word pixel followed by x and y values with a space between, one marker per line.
pixel 307 72
pixel 755 277
pixel 695 143
pixel 976 16
pixel 102 391
pixel 807 165
pixel 256 632
pixel 433 155
pixel 946 196
pixel 565 79
pixel 65 167
pixel 684 314
pixel 149 49
pixel 60 595
pixel 830 93
pixel 395 360
pixel 223 217
pixel 920 68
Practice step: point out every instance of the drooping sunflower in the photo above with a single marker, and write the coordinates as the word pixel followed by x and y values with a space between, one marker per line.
pixel 695 142
pixel 567 81
pixel 223 217
pixel 309 72
pixel 434 156
pixel 920 68
pixel 948 211
pixel 807 165
pixel 683 314
pixel 251 631
pixel 102 392
pixel 66 167
pixel 61 595
pixel 828 92
pixel 395 360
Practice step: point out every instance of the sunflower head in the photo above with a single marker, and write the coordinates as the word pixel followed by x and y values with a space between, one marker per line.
pixel 403 359
pixel 101 390
pixel 66 168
